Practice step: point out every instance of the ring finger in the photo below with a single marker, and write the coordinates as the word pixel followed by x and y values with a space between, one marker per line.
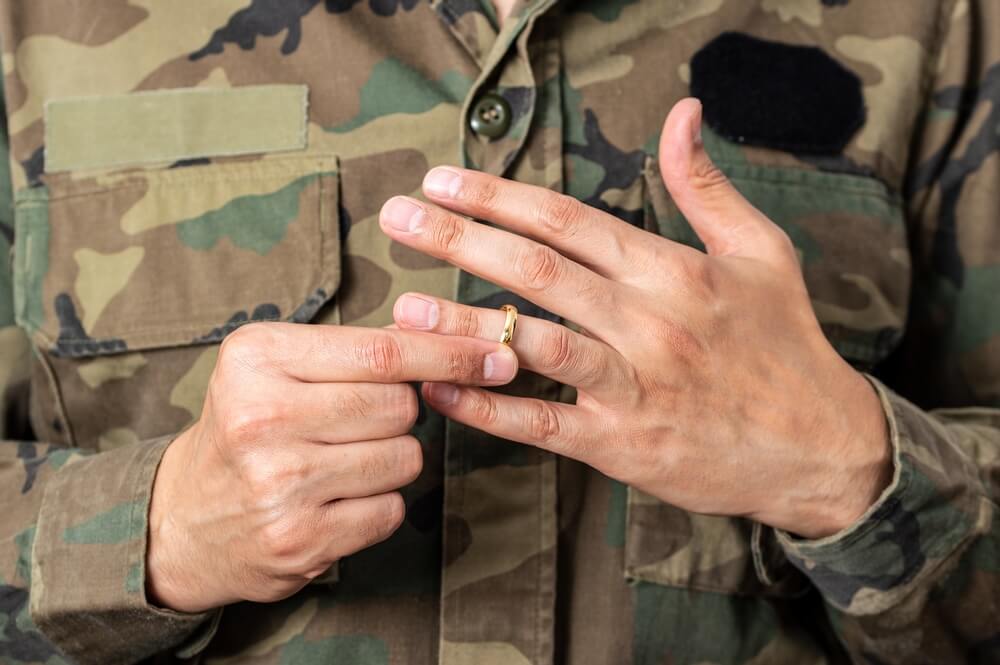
pixel 544 347
pixel 362 468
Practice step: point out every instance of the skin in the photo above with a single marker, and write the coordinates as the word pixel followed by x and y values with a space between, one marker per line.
pixel 294 462
pixel 503 9
pixel 712 387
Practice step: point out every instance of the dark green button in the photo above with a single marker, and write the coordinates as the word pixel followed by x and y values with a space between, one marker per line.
pixel 490 116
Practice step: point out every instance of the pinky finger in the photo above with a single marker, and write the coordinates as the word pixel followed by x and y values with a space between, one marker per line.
pixel 354 524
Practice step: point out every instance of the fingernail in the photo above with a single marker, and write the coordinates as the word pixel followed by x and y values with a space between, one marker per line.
pixel 696 126
pixel 442 182
pixel 403 214
pixel 444 394
pixel 499 366
pixel 417 312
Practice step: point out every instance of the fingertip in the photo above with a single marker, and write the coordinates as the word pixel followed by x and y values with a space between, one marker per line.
pixel 414 310
pixel 443 182
pixel 396 508
pixel 501 365
pixel 440 394
pixel 397 308
pixel 681 132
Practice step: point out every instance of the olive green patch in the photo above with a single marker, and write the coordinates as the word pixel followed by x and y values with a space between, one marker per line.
pixel 614 534
pixel 394 87
pixel 31 256
pixel 58 457
pixel 257 222
pixel 6 282
pixel 337 650
pixel 108 528
pixel 978 313
pixel 674 625
pixel 134 579
pixel 169 125
pixel 586 176
pixel 24 541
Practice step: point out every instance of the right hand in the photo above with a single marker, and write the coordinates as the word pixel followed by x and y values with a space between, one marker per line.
pixel 296 457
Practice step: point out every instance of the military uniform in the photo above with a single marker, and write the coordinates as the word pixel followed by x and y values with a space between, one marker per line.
pixel 177 169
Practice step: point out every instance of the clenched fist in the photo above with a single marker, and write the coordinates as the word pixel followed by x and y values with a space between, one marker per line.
pixel 296 457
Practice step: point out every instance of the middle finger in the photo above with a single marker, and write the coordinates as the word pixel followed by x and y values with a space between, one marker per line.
pixel 532 270
pixel 345 412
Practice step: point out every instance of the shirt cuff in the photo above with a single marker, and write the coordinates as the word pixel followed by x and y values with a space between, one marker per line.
pixel 88 570
pixel 934 507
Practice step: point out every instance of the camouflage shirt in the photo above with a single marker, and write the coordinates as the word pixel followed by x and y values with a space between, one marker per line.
pixel 179 168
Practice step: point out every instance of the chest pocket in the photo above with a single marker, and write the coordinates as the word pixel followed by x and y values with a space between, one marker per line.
pixel 851 240
pixel 126 282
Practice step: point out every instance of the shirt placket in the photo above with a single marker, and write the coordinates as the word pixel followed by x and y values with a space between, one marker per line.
pixel 500 524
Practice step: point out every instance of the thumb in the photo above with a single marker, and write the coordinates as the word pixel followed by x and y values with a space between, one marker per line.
pixel 725 221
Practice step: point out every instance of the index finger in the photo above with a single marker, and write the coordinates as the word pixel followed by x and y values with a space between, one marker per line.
pixel 589 236
pixel 326 354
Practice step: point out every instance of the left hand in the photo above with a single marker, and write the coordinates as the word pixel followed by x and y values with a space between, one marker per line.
pixel 702 379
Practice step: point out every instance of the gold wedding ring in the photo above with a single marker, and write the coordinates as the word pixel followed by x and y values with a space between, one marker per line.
pixel 510 325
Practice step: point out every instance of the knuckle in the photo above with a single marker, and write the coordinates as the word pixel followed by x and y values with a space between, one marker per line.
pixel 353 404
pixel 249 344
pixel 249 425
pixel 447 233
pixel 284 538
pixel 268 477
pixel 484 196
pixel 466 322
pixel 484 409
pixel 462 366
pixel 382 354
pixel 374 464
pixel 559 214
pixel 538 267
pixel 544 424
pixel 706 176
pixel 557 353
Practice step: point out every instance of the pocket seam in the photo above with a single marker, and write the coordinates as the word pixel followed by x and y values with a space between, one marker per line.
pixel 750 586
pixel 164 335
pixel 266 169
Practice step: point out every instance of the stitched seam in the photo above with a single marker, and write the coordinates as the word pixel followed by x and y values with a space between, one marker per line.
pixel 147 334
pixel 174 92
pixel 842 187
pixel 180 156
pixel 155 179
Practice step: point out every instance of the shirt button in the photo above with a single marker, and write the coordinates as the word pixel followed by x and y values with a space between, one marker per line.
pixel 490 116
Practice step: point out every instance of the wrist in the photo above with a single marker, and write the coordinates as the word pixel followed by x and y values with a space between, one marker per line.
pixel 165 581
pixel 853 469
pixel 866 466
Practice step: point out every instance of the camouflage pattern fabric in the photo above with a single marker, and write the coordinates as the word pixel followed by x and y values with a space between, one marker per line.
pixel 124 278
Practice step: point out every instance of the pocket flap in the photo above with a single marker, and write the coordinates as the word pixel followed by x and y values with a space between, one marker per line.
pixel 669 546
pixel 154 258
